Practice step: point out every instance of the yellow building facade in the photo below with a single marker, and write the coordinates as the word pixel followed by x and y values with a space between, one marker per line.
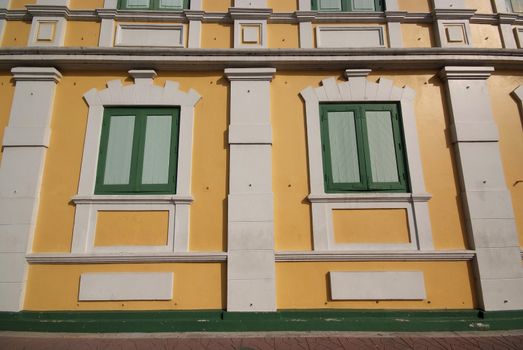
pixel 261 155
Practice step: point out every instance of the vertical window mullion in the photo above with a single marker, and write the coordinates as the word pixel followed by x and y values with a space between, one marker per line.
pixel 363 144
pixel 401 161
pixel 137 166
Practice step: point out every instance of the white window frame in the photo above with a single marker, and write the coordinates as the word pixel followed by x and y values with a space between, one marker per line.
pixel 359 89
pixel 141 93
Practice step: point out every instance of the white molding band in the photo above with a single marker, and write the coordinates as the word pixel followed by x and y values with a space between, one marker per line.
pixel 132 258
pixel 409 255
pixel 251 280
pixel 142 93
pixel 30 120
pixel 487 203
pixel 358 88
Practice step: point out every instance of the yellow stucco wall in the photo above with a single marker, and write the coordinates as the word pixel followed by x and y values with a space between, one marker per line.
pixel 217 5
pixel 414 5
pixel 370 226
pixel 290 170
pixel 510 124
pixel 292 278
pixel 6 99
pixel 20 4
pixel 196 286
pixel 128 228
pixel 482 6
pixel 283 5
pixel 61 174
pixel 16 34
pixel 283 36
pixel 485 36
pixel 216 36
pixel 86 4
pixel 417 35
pixel 82 33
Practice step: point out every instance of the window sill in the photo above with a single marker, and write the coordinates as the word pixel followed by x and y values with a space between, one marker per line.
pixel 369 197
pixel 132 199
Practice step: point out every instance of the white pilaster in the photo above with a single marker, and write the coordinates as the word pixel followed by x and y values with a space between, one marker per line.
pixel 107 27
pixel 48 30
pixel 25 143
pixel 251 263
pixel 195 28
pixel 487 203
pixel 4 5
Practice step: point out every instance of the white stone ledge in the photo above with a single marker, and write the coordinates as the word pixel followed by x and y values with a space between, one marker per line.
pixel 132 199
pixel 441 255
pixel 26 136
pixel 67 258
pixel 368 197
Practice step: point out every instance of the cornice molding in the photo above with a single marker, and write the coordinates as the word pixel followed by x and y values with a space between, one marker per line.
pixel 131 199
pixel 465 73
pixel 290 59
pixel 368 197
pixel 250 74
pixel 67 258
pixel 249 13
pixel 444 255
pixel 36 74
pixel 453 14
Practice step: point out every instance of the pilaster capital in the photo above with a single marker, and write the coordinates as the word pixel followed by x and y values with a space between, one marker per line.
pixel 250 74
pixel 36 74
pixel 465 73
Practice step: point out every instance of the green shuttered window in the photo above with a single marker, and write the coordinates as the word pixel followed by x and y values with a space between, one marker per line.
pixel 362 147
pixel 163 5
pixel 138 151
pixel 347 5
pixel 514 5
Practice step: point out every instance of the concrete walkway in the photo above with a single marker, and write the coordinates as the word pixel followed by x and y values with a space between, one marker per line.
pixel 512 340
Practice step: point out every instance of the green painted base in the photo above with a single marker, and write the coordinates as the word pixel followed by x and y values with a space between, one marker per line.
pixel 221 321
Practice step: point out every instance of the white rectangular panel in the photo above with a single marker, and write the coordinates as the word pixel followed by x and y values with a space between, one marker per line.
pixel 126 286
pixel 347 37
pixel 158 35
pixel 377 285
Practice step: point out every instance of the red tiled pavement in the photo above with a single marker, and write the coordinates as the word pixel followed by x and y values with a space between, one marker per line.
pixel 512 340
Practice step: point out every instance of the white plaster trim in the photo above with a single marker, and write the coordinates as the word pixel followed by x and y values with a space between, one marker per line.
pixel 107 33
pixel 377 285
pixel 465 73
pixel 106 286
pixel 58 32
pixel 329 226
pixel 4 4
pixel 518 93
pixel 36 74
pixel 112 258
pixel 250 74
pixel 2 28
pixel 357 89
pixel 518 33
pixel 151 39
pixel 385 255
pixel 304 5
pixel 500 6
pixel 306 35
pixel 507 36
pixel 196 5
pixel 238 33
pixel 441 36
pixel 142 93
pixel 323 31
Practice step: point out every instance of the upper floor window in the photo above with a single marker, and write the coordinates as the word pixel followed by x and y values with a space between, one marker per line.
pixel 514 5
pixel 153 4
pixel 138 150
pixel 362 147
pixel 347 5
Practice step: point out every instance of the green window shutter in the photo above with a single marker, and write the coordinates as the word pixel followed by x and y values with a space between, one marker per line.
pixel 119 150
pixel 382 155
pixel 363 5
pixel 157 149
pixel 517 5
pixel 138 151
pixel 362 148
pixel 171 4
pixel 343 148
pixel 137 4
pixel 330 5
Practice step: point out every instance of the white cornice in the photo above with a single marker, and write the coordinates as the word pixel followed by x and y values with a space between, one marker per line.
pixel 368 197
pixel 444 255
pixel 249 13
pixel 453 13
pixel 36 74
pixel 250 74
pixel 465 73
pixel 289 59
pixel 67 258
